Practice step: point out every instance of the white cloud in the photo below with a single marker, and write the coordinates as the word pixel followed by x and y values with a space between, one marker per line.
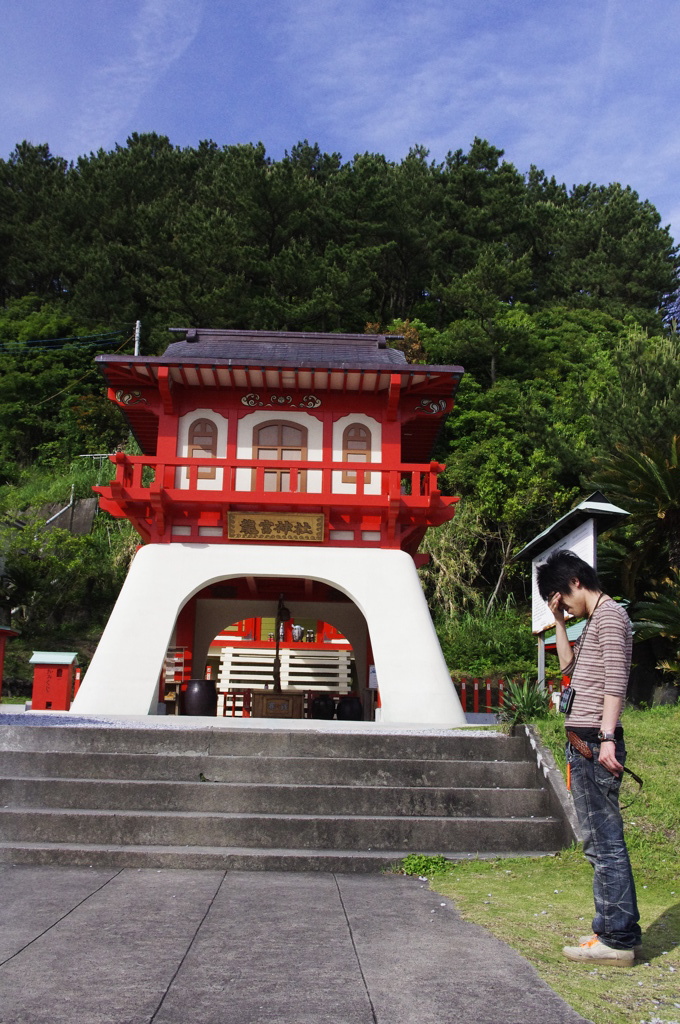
pixel 27 100
pixel 159 35
pixel 390 76
pixel 582 91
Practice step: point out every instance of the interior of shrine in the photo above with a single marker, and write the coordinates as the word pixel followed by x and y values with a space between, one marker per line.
pixel 323 645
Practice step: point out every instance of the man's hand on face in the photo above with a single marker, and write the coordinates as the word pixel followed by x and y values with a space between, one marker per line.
pixel 556 607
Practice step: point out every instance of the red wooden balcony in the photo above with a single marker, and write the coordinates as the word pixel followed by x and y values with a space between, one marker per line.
pixel 149 487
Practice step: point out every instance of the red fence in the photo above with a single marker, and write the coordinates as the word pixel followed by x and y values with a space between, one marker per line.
pixel 476 695
pixel 484 695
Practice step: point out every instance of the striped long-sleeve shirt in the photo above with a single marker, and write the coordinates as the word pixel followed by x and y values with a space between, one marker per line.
pixel 602 656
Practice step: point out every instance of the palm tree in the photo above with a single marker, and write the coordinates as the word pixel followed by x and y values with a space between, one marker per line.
pixel 647 484
pixel 659 616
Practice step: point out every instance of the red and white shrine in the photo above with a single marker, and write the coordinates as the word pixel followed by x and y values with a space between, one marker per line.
pixel 276 463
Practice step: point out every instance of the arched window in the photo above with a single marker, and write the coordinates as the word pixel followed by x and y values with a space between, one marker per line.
pixel 356 447
pixel 286 442
pixel 203 444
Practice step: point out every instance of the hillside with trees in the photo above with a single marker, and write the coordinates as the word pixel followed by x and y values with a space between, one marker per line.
pixel 559 302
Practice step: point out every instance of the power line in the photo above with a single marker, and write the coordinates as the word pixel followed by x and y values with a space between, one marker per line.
pixel 86 374
pixel 85 341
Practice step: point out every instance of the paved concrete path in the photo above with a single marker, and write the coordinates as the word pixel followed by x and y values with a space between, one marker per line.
pixel 81 946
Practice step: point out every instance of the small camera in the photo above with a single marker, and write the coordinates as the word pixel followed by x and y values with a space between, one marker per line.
pixel 566 700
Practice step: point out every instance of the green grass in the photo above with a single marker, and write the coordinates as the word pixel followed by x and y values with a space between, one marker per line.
pixel 38 485
pixel 537 905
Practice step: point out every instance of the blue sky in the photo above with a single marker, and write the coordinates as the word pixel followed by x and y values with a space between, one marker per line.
pixel 585 89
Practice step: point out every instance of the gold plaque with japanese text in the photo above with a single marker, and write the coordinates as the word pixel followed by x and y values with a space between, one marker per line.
pixel 270 526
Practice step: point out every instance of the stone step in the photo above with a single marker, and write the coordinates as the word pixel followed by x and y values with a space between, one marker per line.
pixel 274 770
pixel 113 794
pixel 222 857
pixel 357 832
pixel 279 798
pixel 246 741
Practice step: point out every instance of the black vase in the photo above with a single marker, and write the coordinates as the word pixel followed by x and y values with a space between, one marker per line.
pixel 199 698
pixel 323 707
pixel 350 709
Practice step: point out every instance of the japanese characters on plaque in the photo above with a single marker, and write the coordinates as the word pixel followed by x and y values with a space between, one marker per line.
pixel 270 526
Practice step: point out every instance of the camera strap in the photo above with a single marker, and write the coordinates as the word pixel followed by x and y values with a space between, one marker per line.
pixel 570 693
pixel 583 636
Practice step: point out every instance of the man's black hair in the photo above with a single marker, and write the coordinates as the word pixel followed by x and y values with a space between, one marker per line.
pixel 558 573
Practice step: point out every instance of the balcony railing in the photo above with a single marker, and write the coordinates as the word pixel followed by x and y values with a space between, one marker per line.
pixel 243 480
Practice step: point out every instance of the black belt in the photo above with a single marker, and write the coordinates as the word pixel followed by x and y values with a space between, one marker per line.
pixel 591 734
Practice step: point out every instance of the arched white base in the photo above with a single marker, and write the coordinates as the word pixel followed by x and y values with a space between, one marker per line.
pixel 415 686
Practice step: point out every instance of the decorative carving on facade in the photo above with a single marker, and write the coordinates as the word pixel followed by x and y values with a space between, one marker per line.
pixel 274 526
pixel 252 400
pixel 130 397
pixel 431 406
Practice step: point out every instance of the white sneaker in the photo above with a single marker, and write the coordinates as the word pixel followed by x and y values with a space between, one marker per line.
pixel 637 948
pixel 594 951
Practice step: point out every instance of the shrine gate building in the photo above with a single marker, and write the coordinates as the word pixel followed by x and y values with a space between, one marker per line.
pixel 276 463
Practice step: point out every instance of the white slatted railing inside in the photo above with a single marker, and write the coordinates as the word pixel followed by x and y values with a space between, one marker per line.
pixel 300 669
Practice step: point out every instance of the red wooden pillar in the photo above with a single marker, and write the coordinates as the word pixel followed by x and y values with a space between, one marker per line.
pixel 184 636
pixel 232 449
pixel 5 633
pixel 551 690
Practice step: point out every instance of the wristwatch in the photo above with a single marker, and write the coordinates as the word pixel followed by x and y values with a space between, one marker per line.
pixel 608 737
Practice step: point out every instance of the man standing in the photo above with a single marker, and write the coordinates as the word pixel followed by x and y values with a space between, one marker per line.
pixel 599 667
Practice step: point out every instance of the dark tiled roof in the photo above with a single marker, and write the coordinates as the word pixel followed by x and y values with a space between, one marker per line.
pixel 285 349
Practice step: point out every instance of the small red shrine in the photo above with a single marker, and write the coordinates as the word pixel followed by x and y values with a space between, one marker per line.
pixel 276 463
pixel 54 679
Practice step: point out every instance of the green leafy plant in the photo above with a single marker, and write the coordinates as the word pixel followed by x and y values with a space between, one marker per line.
pixel 524 702
pixel 424 864
pixel 480 644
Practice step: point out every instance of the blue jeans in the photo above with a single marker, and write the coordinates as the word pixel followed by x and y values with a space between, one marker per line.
pixel 596 799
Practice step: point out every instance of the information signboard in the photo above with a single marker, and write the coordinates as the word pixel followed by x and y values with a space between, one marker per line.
pixel 581 541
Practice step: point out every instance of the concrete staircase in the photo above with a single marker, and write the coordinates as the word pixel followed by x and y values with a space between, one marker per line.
pixel 275 799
